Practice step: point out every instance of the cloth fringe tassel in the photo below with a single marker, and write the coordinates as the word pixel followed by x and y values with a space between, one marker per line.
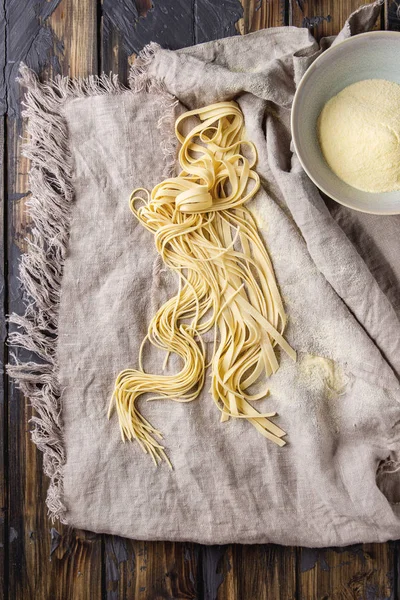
pixel 41 268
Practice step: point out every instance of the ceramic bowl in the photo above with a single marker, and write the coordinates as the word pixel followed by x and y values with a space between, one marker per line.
pixel 374 55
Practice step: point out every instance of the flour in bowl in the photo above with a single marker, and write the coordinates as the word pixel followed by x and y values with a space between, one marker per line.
pixel 359 135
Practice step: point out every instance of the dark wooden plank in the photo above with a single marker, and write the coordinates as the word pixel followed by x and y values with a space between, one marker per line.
pixel 214 566
pixel 392 15
pixel 76 565
pixel 75 28
pixel 51 37
pixel 396 582
pixel 3 329
pixel 260 14
pixel 361 571
pixel 127 26
pixel 236 571
pixel 3 60
pixel 136 569
pixel 260 571
pixel 150 570
pixel 3 408
pixel 215 20
pixel 26 528
pixel 28 39
pixel 323 17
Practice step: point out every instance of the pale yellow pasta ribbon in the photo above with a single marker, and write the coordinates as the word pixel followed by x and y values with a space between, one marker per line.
pixel 204 233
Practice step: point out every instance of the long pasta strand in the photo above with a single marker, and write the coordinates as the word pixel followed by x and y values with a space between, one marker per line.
pixel 204 232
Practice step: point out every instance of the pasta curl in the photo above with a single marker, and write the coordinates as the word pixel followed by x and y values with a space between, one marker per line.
pixel 204 232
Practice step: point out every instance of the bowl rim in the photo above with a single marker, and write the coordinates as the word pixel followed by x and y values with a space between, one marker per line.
pixel 306 76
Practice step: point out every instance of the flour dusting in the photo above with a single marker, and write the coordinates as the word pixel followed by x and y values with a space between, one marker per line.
pixel 322 374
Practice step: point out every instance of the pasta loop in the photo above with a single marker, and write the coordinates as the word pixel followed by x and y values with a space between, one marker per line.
pixel 206 235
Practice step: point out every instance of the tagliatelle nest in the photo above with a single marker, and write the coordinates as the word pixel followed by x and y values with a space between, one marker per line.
pixel 206 235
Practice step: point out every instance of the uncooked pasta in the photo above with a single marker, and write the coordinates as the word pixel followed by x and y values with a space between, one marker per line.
pixel 226 284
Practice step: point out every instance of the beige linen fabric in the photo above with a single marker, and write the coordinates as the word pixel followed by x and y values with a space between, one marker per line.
pixel 339 276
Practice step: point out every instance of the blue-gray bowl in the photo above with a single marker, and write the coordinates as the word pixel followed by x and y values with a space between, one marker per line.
pixel 373 55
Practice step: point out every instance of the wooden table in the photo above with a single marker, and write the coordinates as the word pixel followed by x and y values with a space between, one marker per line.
pixel 41 562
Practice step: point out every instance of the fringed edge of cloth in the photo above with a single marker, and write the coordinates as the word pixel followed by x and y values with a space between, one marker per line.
pixel 140 80
pixel 41 268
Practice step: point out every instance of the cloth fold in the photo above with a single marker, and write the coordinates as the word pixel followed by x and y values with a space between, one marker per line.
pixel 335 481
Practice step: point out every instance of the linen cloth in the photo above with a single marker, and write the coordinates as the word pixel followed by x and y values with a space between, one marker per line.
pixel 336 481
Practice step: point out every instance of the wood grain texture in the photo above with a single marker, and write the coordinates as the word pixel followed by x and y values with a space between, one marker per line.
pixel 30 39
pixel 261 571
pixel 214 566
pixel 392 15
pixel 76 565
pixel 3 328
pixel 3 60
pixel 27 523
pixel 128 25
pixel 357 572
pixel 260 14
pixel 74 25
pixel 44 563
pixel 150 570
pixel 323 17
pixel 3 354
